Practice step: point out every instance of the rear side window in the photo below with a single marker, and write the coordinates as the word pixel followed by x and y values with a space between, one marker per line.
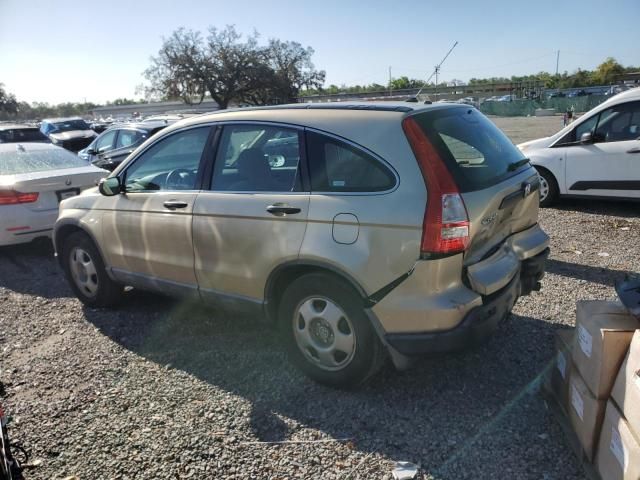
pixel 476 152
pixel 336 166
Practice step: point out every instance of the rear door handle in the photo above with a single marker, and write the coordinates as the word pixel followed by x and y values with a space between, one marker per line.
pixel 173 204
pixel 280 210
pixel 634 150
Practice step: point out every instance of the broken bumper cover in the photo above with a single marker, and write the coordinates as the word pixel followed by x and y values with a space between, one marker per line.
pixel 480 322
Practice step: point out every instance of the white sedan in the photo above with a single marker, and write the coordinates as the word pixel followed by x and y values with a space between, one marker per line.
pixel 34 178
pixel 597 156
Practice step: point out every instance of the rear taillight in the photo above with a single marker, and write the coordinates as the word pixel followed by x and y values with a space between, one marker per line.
pixel 445 229
pixel 11 197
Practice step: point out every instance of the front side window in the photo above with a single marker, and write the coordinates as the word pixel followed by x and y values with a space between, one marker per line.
pixel 105 142
pixel 616 124
pixel 585 127
pixel 170 164
pixel 128 137
pixel 257 158
pixel 619 123
pixel 336 166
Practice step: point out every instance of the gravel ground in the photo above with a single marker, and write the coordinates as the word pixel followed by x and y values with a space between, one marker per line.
pixel 164 389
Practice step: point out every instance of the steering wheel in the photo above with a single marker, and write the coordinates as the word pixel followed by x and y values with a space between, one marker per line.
pixel 179 179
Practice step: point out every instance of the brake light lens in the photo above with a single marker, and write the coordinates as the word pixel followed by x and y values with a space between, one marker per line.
pixel 11 197
pixel 445 229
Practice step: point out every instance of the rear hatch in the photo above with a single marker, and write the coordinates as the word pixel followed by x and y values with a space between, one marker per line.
pixel 496 182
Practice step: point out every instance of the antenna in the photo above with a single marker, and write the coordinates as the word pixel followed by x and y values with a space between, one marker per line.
pixel 436 71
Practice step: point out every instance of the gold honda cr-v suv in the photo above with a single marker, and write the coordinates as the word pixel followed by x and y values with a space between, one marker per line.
pixel 360 230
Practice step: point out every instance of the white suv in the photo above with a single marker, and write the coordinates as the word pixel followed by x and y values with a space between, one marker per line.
pixel 596 156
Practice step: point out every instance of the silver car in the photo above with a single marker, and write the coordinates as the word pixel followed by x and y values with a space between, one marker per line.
pixel 360 230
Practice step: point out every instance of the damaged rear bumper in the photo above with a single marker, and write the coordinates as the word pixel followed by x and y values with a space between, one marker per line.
pixel 478 323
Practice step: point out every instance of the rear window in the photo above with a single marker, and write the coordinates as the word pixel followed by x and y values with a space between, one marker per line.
pixel 339 167
pixel 22 135
pixel 17 162
pixel 476 152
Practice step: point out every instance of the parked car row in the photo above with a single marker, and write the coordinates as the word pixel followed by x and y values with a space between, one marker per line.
pixel 360 230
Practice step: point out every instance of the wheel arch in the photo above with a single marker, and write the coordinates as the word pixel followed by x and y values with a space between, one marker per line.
pixel 284 274
pixel 66 228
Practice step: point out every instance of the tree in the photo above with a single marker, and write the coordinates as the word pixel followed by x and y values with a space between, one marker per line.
pixel 607 71
pixel 230 68
pixel 179 70
pixel 286 70
pixel 8 102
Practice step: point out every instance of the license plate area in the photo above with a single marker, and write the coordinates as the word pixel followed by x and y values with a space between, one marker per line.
pixel 68 193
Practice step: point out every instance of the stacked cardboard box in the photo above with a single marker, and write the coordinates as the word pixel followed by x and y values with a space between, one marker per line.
pixel 587 365
pixel 618 454
pixel 603 334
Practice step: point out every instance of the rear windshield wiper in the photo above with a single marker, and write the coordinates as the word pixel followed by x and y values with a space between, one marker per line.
pixel 516 165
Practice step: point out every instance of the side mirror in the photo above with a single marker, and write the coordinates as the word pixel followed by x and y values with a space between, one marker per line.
pixel 586 138
pixel 110 186
pixel 91 151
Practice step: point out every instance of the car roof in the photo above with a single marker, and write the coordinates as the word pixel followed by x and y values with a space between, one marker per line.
pixel 630 94
pixel 61 119
pixel 307 110
pixel 16 126
pixel 147 126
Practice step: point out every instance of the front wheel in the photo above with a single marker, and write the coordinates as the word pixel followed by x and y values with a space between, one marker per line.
pixel 327 333
pixel 86 273
pixel 548 188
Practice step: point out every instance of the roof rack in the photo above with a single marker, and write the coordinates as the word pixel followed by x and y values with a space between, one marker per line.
pixel 322 106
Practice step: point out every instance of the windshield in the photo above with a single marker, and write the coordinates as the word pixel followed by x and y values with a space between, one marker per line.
pixel 16 162
pixel 69 125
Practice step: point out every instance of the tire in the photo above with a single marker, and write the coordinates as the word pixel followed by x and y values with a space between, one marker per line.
pixel 85 272
pixel 548 187
pixel 327 333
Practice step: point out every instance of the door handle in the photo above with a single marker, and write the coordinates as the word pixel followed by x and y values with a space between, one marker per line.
pixel 634 150
pixel 280 210
pixel 173 204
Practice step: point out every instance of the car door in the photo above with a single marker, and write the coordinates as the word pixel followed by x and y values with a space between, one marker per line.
pixel 126 142
pixel 608 165
pixel 103 144
pixel 147 229
pixel 252 217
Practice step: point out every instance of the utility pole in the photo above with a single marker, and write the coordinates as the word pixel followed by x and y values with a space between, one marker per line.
pixel 557 61
pixel 390 85
pixel 436 71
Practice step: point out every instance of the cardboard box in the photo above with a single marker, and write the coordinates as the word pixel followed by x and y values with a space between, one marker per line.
pixel 626 389
pixel 585 413
pixel 561 370
pixel 603 334
pixel 618 456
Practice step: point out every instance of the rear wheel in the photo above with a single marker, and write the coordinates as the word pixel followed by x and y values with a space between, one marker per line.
pixel 85 271
pixel 327 333
pixel 548 188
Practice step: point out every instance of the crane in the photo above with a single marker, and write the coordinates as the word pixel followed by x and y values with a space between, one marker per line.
pixel 436 71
